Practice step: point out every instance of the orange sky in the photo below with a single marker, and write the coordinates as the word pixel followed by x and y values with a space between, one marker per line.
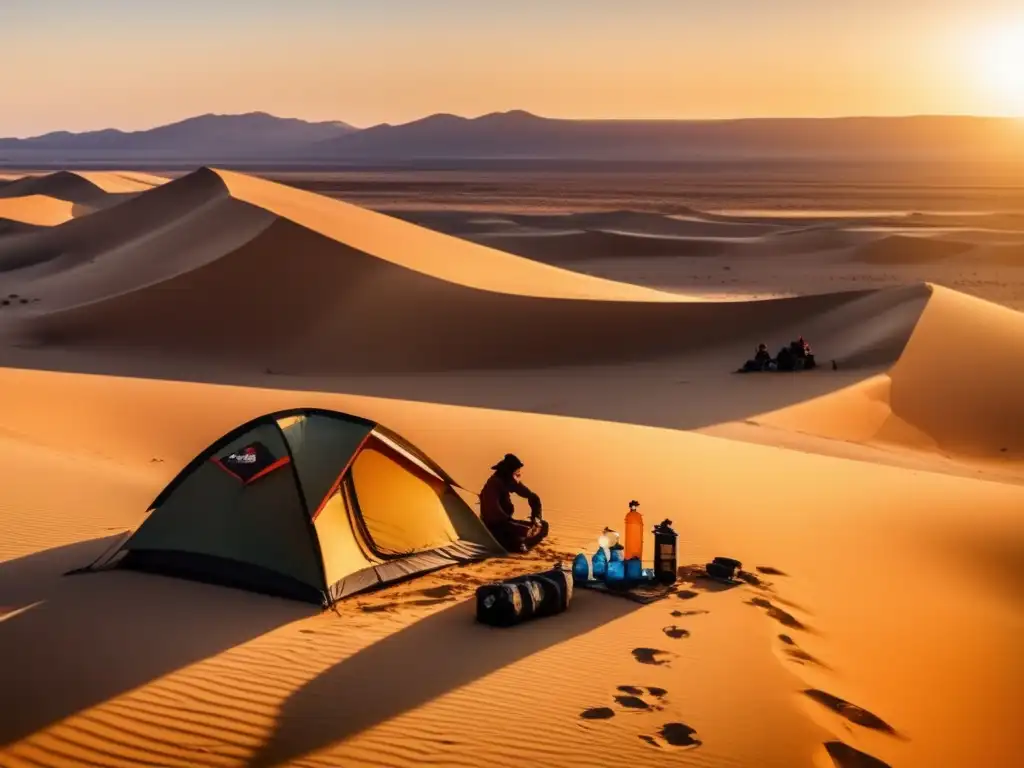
pixel 137 63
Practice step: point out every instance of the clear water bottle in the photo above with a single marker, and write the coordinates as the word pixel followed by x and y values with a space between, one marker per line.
pixel 581 569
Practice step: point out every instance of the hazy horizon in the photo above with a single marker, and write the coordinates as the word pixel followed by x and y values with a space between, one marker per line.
pixel 136 65
pixel 184 118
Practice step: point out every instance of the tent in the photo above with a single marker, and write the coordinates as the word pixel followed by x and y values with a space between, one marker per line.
pixel 307 504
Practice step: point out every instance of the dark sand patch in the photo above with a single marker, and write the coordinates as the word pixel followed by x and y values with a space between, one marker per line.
pixel 845 756
pixel 598 713
pixel 650 656
pixel 752 579
pixel 786 619
pixel 801 656
pixel 631 689
pixel 787 639
pixel 767 570
pixel 674 735
pixel 676 633
pixel 686 594
pixel 395 606
pixel 445 590
pixel 851 712
pixel 632 702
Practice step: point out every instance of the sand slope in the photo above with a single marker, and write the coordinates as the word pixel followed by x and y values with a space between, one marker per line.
pixel 884 622
pixel 38 210
pixel 184 674
pixel 243 250
pixel 82 187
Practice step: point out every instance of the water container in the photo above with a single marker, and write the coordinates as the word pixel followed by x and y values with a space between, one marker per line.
pixel 634 571
pixel 665 552
pixel 634 532
pixel 615 577
pixel 581 569
pixel 617 554
pixel 600 563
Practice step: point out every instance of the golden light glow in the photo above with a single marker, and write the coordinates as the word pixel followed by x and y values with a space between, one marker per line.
pixel 1002 67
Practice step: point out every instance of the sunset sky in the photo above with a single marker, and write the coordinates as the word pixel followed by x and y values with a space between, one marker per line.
pixel 86 64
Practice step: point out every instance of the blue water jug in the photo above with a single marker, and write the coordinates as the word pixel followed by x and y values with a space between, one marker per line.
pixel 581 569
pixel 634 571
pixel 600 563
pixel 615 578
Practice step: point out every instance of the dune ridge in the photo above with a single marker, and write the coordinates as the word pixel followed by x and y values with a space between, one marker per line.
pixel 80 187
pixel 243 251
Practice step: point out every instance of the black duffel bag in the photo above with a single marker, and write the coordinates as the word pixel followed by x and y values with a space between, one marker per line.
pixel 513 601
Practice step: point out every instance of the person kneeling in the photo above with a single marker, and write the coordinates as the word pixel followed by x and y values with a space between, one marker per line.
pixel 497 509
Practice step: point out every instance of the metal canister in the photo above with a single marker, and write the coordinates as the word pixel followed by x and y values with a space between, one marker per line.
pixel 665 552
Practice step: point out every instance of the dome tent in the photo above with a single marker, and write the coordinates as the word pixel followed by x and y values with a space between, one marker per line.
pixel 307 504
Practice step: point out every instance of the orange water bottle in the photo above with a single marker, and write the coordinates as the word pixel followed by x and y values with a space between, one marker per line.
pixel 634 544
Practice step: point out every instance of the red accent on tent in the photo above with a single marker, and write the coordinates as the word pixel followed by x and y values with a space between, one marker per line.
pixel 337 483
pixel 267 470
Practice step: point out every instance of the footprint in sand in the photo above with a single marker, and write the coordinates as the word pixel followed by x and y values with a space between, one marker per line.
pixel 799 655
pixel 674 735
pixel 851 712
pixel 445 590
pixel 676 633
pixel 598 713
pixel 680 614
pixel 631 697
pixel 752 580
pixel 686 594
pixel 786 619
pixel 650 656
pixel 767 570
pixel 845 756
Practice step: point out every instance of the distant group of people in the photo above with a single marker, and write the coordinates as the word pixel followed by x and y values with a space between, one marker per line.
pixel 795 356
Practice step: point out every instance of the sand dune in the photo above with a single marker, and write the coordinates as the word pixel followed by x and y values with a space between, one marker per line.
pixel 90 188
pixel 408 318
pixel 209 676
pixel 242 250
pixel 572 246
pixel 879 619
pixel 37 210
pixel 901 249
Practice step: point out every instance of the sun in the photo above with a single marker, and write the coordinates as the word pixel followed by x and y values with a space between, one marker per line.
pixel 1002 68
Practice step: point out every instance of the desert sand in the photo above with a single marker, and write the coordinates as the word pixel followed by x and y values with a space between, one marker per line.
pixel 877 505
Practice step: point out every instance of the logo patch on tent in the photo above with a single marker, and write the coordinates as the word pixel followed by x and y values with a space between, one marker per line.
pixel 251 462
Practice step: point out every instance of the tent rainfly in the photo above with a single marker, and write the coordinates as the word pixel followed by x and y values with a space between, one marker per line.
pixel 306 504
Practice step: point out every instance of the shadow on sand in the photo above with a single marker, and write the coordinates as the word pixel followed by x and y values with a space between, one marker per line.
pixel 672 395
pixel 432 657
pixel 81 640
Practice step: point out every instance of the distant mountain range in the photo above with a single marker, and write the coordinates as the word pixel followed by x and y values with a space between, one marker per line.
pixel 253 134
pixel 519 135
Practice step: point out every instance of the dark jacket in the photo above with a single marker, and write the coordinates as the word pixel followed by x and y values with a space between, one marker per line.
pixel 496 507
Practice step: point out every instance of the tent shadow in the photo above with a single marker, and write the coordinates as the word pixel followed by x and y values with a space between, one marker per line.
pixel 434 656
pixel 68 643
